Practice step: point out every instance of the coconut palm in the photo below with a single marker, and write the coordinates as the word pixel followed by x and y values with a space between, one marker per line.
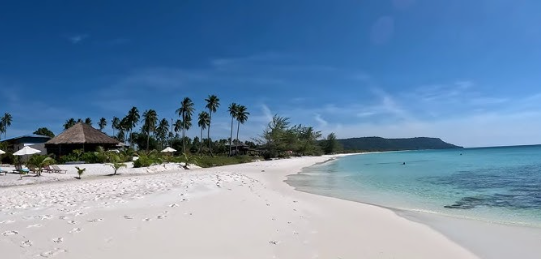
pixel 185 112
pixel 131 121
pixel 203 123
pixel 102 124
pixel 177 126
pixel 213 102
pixel 6 122
pixel 233 109
pixel 162 130
pixel 88 121
pixel 115 123
pixel 242 117
pixel 69 123
pixel 150 120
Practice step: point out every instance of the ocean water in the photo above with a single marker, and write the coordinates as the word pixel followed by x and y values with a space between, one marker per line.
pixel 500 184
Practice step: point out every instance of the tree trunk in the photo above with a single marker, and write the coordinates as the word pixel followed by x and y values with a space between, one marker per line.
pixel 184 133
pixel 201 141
pixel 208 132
pixel 237 144
pixel 231 137
pixel 148 139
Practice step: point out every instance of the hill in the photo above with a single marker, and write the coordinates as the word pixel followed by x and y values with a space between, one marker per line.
pixel 383 144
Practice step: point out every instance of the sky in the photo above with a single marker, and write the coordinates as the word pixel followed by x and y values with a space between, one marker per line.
pixel 466 71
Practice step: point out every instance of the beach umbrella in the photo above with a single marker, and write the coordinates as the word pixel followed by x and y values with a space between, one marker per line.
pixel 26 151
pixel 2 152
pixel 169 150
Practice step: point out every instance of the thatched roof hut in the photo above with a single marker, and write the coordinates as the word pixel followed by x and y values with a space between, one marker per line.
pixel 80 136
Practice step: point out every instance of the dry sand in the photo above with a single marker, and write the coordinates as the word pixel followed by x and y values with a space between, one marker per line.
pixel 240 211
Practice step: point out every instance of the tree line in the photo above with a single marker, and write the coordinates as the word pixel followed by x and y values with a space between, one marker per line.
pixel 154 129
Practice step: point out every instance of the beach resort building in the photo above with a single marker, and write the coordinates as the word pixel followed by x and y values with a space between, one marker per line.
pixel 80 136
pixel 17 143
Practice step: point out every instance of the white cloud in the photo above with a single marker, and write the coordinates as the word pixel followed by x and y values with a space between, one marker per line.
pixel 322 123
pixel 77 38
pixel 382 30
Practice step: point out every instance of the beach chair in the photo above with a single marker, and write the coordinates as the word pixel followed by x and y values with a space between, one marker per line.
pixel 33 169
pixel 19 169
pixel 57 169
pixel 48 169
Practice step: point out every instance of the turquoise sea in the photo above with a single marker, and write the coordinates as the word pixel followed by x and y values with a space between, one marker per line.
pixel 501 184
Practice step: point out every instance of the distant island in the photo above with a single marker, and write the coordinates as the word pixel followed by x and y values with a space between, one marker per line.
pixel 383 144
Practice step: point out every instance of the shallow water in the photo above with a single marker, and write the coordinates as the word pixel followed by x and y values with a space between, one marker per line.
pixel 493 184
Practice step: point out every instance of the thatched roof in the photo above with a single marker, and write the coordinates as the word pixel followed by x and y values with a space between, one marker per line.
pixel 82 133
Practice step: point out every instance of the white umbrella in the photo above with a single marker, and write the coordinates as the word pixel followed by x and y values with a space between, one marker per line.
pixel 2 152
pixel 26 151
pixel 169 150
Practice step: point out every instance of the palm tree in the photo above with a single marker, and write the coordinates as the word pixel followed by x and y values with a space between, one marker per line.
pixel 233 109
pixel 213 102
pixel 102 124
pixel 203 123
pixel 162 129
pixel 115 123
pixel 242 117
pixel 150 119
pixel 185 112
pixel 177 126
pixel 88 121
pixel 6 122
pixel 131 121
pixel 69 123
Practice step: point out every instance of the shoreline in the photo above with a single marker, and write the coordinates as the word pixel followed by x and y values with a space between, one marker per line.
pixel 475 234
pixel 237 211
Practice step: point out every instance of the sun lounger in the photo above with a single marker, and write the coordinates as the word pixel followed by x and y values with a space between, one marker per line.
pixel 33 169
pixel 48 169
pixel 57 169
pixel 21 170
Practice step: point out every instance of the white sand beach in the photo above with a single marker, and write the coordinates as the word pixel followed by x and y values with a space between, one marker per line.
pixel 240 211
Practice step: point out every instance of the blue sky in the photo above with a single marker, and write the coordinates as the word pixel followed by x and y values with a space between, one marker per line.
pixel 465 71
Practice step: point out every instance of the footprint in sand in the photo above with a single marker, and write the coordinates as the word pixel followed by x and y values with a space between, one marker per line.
pixel 26 243
pixel 161 217
pixel 173 205
pixel 72 222
pixel 75 230
pixel 128 217
pixel 10 233
pixel 58 240
pixel 52 253
pixel 147 219
pixel 95 220
pixel 34 226
pixel 45 217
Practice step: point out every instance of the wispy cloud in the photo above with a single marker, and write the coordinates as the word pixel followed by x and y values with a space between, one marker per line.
pixel 382 30
pixel 322 123
pixel 77 38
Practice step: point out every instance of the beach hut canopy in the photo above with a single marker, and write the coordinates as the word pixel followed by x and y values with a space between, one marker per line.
pixel 82 133
pixel 80 136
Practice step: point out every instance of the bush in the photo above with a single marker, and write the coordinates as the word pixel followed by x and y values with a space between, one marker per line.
pixel 8 158
pixel 146 160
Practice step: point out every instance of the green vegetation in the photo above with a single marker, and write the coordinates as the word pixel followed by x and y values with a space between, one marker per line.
pixel 44 132
pixel 80 171
pixel 382 144
pixel 5 122
pixel 185 112
pixel 39 162
pixel 102 123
